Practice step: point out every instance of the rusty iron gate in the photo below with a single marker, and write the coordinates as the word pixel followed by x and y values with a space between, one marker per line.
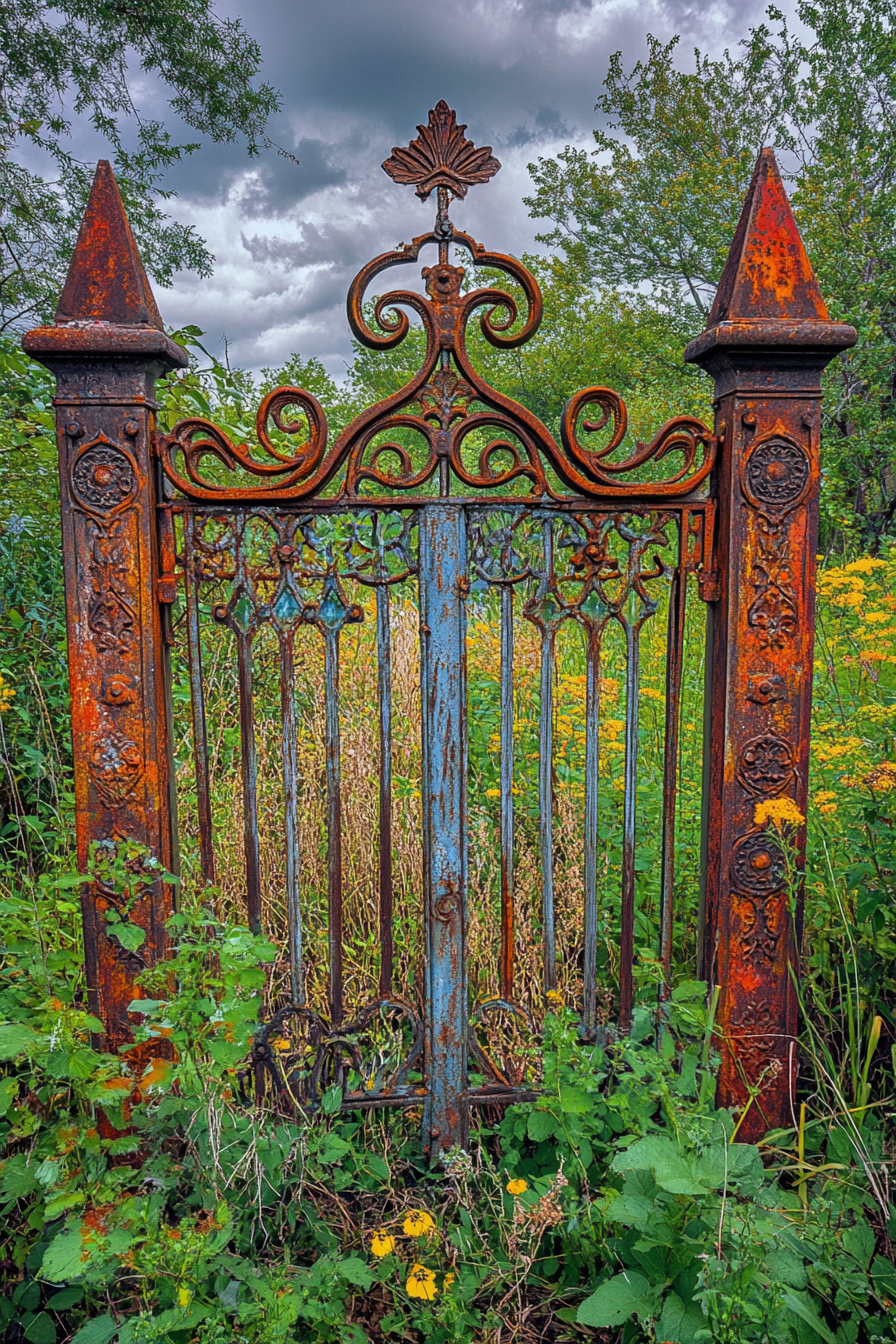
pixel 452 502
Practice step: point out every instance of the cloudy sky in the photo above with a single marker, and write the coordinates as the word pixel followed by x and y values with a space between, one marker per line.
pixel 356 77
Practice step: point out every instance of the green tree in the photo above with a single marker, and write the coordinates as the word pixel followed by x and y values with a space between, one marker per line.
pixel 64 62
pixel 652 209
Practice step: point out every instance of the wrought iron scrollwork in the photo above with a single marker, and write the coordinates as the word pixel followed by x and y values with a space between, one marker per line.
pixel 302 1054
pixel 465 427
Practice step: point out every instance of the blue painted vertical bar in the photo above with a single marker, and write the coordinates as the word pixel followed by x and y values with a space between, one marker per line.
pixel 629 822
pixel 443 582
pixel 334 818
pixel 249 764
pixel 290 746
pixel 507 898
pixel 592 776
pixel 384 660
pixel 545 776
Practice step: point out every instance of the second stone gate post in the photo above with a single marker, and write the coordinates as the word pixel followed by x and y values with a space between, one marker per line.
pixel 766 342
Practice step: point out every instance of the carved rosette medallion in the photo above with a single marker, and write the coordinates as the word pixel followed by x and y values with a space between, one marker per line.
pixel 116 767
pixel 761 925
pixel 752 1036
pixel 766 766
pixel 103 477
pixel 757 865
pixel 776 474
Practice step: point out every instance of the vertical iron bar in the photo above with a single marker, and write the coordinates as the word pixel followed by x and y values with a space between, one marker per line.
pixel 507 897
pixel 290 809
pixel 592 787
pixel 334 820
pixel 629 817
pixel 249 765
pixel 443 565
pixel 545 778
pixel 384 658
pixel 197 706
pixel 674 660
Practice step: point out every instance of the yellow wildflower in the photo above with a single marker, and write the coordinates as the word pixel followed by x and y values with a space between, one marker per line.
pixel 449 1279
pixel 825 796
pixel 418 1223
pixel 827 807
pixel 778 811
pixel 6 694
pixel 864 566
pixel 882 777
pixel 554 998
pixel 381 1243
pixel 421 1283
pixel 517 1187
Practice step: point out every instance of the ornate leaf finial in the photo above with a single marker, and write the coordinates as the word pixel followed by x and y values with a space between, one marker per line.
pixel 442 156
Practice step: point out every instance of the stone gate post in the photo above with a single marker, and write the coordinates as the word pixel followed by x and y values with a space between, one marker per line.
pixel 767 340
pixel 106 349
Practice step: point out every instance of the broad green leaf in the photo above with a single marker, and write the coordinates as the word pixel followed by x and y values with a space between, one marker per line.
pixel 98 1331
pixel 66 1298
pixel 663 1157
pixel 42 1330
pixel 15 1040
pixel 541 1125
pixel 131 936
pixel 18 1176
pixel 355 1271
pixel 62 1258
pixel 8 1090
pixel 575 1100
pixel 682 1324
pixel 615 1301
pixel 332 1149
pixel 59 1203
pixel 331 1101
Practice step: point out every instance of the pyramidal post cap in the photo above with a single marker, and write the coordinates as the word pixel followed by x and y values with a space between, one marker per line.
pixel 768 293
pixel 106 280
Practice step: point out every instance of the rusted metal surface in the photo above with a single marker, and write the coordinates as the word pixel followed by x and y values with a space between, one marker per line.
pixel 582 534
pixel 106 350
pixel 767 341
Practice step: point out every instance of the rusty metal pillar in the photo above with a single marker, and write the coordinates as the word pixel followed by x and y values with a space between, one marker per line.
pixel 766 342
pixel 106 349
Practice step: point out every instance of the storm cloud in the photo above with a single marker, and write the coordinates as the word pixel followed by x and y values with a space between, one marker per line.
pixel 356 77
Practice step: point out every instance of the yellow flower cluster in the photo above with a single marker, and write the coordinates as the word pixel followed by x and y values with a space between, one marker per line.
pixel 882 778
pixel 421 1280
pixel 778 811
pixel 6 694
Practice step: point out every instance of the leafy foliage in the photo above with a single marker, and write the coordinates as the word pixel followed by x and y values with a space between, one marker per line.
pixel 654 206
pixel 75 54
pixel 153 1201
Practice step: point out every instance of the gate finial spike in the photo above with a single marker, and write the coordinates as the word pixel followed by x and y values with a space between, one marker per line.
pixel 768 274
pixel 106 281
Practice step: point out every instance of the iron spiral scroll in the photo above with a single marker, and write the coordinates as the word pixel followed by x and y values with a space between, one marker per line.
pixel 447 400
